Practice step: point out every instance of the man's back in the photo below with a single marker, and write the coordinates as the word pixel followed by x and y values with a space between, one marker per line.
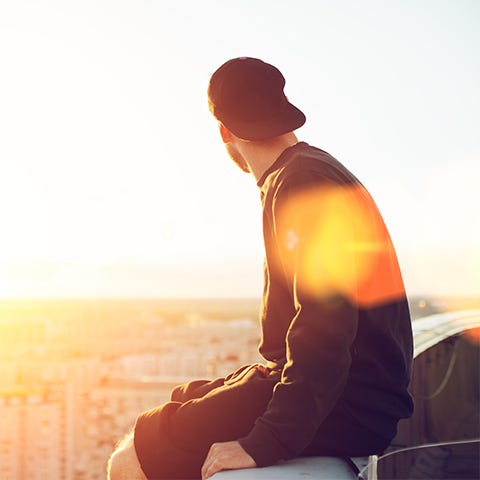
pixel 345 337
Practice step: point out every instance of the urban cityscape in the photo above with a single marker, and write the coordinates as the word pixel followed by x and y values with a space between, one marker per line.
pixel 75 374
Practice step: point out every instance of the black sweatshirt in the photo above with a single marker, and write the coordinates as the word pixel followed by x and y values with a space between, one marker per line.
pixel 334 314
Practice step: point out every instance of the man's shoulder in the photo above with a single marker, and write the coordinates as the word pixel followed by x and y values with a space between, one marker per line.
pixel 308 164
pixel 304 154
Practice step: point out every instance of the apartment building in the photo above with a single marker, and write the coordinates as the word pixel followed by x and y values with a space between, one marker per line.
pixel 32 439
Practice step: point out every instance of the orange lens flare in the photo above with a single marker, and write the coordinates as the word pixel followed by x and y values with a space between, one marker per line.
pixel 334 241
pixel 473 335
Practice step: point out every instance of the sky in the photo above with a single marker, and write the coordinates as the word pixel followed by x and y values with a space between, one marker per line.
pixel 114 181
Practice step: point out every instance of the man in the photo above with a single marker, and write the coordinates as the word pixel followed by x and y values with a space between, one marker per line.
pixel 336 331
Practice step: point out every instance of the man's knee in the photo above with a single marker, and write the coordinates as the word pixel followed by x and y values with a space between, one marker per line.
pixel 124 464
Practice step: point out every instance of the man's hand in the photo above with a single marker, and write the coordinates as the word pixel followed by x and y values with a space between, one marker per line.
pixel 226 456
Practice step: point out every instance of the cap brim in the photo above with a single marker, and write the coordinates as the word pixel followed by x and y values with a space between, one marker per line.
pixel 289 119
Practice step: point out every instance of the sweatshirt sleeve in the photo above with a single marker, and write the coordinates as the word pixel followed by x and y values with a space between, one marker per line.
pixel 309 242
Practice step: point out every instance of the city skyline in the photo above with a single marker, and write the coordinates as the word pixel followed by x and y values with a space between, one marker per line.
pixel 74 375
pixel 115 183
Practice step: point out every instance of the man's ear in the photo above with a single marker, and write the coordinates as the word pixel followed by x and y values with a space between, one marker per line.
pixel 225 133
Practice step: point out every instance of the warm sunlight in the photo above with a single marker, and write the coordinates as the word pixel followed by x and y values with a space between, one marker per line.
pixel 114 180
pixel 473 335
pixel 344 241
pixel 131 247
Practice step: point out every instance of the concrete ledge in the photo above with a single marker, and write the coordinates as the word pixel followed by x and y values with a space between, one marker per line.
pixel 319 468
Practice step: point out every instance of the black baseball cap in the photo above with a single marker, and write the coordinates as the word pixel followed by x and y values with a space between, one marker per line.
pixel 246 95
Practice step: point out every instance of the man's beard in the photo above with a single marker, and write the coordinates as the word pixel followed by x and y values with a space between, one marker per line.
pixel 237 157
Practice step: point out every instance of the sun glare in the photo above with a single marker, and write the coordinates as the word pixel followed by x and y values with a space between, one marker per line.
pixel 345 250
pixel 473 335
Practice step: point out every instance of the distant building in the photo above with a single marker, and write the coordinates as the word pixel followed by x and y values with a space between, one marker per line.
pixel 75 375
pixel 108 413
pixel 32 439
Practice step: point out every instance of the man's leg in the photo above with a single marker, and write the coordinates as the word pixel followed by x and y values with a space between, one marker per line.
pixel 173 440
pixel 124 464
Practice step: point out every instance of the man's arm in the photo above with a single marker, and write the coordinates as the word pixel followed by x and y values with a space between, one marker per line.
pixel 312 231
pixel 318 363
pixel 315 238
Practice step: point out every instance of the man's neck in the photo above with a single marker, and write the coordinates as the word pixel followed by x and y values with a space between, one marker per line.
pixel 260 156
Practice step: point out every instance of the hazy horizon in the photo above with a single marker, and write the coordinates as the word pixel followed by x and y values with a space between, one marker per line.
pixel 115 182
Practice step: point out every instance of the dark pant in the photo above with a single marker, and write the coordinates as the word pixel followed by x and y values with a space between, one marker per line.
pixel 173 440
